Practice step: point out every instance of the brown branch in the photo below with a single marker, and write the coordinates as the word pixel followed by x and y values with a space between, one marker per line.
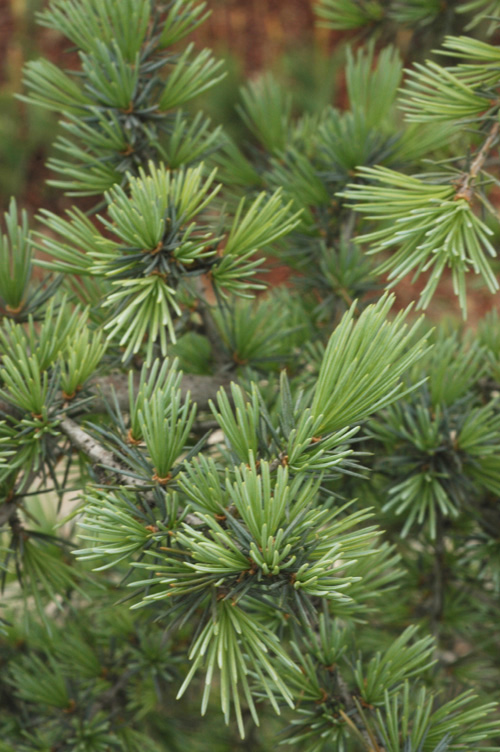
pixel 201 388
pixel 439 578
pixel 109 696
pixel 8 511
pixel 465 184
pixel 96 453
pixel 213 336
pixel 205 293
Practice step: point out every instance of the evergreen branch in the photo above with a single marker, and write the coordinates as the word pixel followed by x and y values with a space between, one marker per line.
pixel 435 94
pixel 363 365
pixel 243 544
pixel 429 227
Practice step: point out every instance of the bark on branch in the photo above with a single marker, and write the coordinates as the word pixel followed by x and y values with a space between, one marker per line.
pixel 201 388
pixel 96 453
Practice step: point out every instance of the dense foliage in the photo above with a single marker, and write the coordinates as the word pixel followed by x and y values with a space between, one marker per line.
pixel 279 504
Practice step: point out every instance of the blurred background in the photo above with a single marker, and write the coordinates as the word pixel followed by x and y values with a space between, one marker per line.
pixel 251 35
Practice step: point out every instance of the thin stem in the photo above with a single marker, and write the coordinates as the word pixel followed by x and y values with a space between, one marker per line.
pixel 353 718
pixel 438 576
pixel 213 336
pixel 9 509
pixel 465 185
pixel 204 291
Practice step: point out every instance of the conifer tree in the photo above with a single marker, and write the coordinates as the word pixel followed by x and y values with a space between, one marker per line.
pixel 279 506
